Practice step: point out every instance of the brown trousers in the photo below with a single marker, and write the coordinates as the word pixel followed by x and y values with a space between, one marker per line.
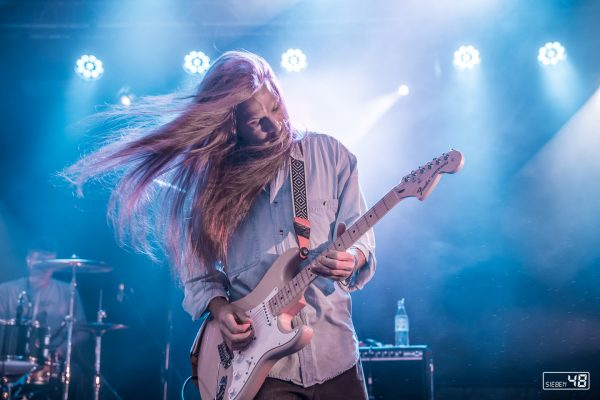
pixel 350 385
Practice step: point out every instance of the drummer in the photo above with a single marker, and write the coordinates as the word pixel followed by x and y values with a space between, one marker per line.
pixel 39 297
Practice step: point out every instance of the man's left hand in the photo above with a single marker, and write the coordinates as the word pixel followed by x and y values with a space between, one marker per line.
pixel 338 265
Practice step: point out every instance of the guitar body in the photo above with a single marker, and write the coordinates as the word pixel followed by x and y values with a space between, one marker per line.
pixel 226 375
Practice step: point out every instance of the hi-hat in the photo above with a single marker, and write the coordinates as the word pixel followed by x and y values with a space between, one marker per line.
pixel 99 328
pixel 68 264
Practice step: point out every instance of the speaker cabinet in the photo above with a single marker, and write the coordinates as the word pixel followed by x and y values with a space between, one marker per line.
pixel 398 372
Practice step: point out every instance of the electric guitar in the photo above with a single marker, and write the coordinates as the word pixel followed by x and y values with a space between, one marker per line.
pixel 223 374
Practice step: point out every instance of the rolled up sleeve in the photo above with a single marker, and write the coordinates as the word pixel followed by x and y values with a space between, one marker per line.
pixel 201 287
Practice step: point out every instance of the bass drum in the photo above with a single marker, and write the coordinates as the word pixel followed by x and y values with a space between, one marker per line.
pixel 23 347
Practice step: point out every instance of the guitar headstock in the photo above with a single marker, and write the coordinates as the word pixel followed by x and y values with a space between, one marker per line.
pixel 420 182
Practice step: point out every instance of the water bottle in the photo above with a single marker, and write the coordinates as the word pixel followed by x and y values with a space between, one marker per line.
pixel 401 325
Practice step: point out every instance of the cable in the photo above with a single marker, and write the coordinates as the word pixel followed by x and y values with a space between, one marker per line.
pixel 189 378
pixel 108 386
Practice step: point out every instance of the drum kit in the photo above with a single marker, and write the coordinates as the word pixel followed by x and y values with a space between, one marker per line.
pixel 28 370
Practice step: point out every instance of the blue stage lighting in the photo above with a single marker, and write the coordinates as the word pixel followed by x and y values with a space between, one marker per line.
pixel 551 53
pixel 293 60
pixel 466 57
pixel 196 62
pixel 89 67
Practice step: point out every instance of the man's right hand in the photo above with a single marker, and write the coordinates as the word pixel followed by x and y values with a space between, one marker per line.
pixel 234 324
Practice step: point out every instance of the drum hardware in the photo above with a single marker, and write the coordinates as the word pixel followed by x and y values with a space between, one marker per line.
pixel 100 315
pixel 23 347
pixel 5 388
pixel 50 370
pixel 21 303
pixel 73 265
pixel 24 389
pixel 25 368
pixel 98 329
pixel 24 356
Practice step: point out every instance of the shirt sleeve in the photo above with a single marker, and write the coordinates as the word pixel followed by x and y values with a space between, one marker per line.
pixel 200 287
pixel 352 205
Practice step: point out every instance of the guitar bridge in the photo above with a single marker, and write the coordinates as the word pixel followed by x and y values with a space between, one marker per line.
pixel 225 355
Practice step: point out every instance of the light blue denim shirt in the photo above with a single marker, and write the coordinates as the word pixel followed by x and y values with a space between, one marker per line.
pixel 333 196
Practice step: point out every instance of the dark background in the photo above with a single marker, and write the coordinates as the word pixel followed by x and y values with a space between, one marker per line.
pixel 499 267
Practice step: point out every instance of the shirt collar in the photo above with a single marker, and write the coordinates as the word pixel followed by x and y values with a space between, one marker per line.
pixel 283 173
pixel 297 150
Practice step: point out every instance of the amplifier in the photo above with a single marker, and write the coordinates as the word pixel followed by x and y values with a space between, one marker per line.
pixel 393 372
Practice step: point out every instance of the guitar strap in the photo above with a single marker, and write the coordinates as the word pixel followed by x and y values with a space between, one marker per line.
pixel 300 205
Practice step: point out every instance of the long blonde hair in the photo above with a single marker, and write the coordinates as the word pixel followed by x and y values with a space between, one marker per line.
pixel 186 185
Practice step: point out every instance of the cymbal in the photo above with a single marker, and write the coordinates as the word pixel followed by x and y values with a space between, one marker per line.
pixel 67 264
pixel 99 328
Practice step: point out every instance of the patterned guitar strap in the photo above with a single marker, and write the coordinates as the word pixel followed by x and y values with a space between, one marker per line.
pixel 300 205
pixel 301 221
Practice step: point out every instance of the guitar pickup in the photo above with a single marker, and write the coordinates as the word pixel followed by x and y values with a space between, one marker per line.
pixel 225 355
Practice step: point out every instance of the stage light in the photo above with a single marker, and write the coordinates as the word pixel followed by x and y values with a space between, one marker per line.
pixel 89 67
pixel 293 60
pixel 125 100
pixel 125 96
pixel 403 90
pixel 466 57
pixel 196 62
pixel 551 53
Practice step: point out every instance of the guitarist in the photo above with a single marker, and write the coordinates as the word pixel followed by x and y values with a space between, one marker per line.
pixel 215 182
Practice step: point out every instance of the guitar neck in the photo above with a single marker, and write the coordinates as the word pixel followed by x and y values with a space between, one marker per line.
pixel 304 278
pixel 419 183
pixel 366 221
